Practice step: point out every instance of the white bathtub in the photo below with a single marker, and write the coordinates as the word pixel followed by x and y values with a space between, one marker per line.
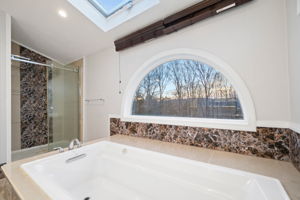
pixel 112 171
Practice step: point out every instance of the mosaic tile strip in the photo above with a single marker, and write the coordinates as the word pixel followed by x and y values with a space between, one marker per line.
pixel 295 149
pixel 33 80
pixel 265 142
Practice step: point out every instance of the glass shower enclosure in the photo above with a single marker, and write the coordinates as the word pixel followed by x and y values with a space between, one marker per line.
pixel 63 106
pixel 45 103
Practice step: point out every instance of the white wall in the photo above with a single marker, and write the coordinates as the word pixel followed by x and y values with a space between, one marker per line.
pixel 5 87
pixel 101 81
pixel 294 61
pixel 251 38
pixel 15 100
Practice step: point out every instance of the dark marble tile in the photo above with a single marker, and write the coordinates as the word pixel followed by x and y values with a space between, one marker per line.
pixel 265 142
pixel 33 84
pixel 295 149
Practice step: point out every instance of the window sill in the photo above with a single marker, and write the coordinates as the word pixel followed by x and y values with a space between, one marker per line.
pixel 241 125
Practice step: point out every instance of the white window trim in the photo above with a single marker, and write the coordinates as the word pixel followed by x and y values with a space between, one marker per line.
pixel 298 7
pixel 108 23
pixel 247 124
pixel 5 87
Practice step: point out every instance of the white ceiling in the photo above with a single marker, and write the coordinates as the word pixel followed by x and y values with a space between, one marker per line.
pixel 36 24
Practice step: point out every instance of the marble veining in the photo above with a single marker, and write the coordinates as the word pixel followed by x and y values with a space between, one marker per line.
pixel 33 84
pixel 265 142
pixel 295 149
pixel 6 191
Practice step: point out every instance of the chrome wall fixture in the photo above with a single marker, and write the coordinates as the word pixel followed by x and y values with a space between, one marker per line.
pixel 28 60
pixel 99 101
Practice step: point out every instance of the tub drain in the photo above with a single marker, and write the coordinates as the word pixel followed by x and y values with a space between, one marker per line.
pixel 87 198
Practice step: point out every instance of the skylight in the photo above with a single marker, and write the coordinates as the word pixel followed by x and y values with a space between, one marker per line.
pixel 109 7
pixel 108 14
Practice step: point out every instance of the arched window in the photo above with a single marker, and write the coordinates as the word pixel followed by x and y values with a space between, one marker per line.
pixel 186 88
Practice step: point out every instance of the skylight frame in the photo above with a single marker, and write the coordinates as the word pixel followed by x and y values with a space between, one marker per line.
pixel 116 19
pixel 108 13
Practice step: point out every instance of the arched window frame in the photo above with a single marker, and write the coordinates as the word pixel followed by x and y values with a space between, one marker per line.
pixel 246 124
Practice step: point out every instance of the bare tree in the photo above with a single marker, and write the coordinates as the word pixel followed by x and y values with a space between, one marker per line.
pixel 189 76
pixel 148 87
pixel 138 101
pixel 176 78
pixel 187 88
pixel 162 79
pixel 207 79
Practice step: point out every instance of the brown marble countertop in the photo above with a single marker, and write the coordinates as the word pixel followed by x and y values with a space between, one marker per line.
pixel 284 171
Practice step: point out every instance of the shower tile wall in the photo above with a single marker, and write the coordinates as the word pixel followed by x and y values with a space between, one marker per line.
pixel 15 98
pixel 33 96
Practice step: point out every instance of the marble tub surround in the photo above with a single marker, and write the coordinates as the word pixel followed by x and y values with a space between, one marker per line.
pixel 295 149
pixel 6 191
pixel 265 142
pixel 33 90
pixel 1 174
pixel 284 171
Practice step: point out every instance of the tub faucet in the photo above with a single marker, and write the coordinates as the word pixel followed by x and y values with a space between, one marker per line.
pixel 74 143
pixel 60 149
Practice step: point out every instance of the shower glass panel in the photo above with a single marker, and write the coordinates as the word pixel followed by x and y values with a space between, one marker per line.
pixel 29 135
pixel 63 106
pixel 45 103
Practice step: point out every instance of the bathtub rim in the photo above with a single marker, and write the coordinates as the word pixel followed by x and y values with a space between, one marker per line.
pixel 276 181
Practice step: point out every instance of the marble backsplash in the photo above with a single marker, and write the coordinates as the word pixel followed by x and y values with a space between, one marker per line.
pixel 295 149
pixel 275 143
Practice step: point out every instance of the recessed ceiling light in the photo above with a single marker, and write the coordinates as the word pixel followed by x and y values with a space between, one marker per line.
pixel 62 13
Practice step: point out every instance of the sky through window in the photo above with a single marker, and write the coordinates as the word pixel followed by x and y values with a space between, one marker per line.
pixel 109 7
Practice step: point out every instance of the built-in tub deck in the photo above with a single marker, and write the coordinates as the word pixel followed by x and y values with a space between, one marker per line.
pixel 183 177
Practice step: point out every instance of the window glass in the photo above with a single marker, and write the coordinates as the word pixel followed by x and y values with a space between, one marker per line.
pixel 186 88
pixel 109 7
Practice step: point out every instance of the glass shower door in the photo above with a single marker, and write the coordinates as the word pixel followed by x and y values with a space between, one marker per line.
pixel 63 106
pixel 46 103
